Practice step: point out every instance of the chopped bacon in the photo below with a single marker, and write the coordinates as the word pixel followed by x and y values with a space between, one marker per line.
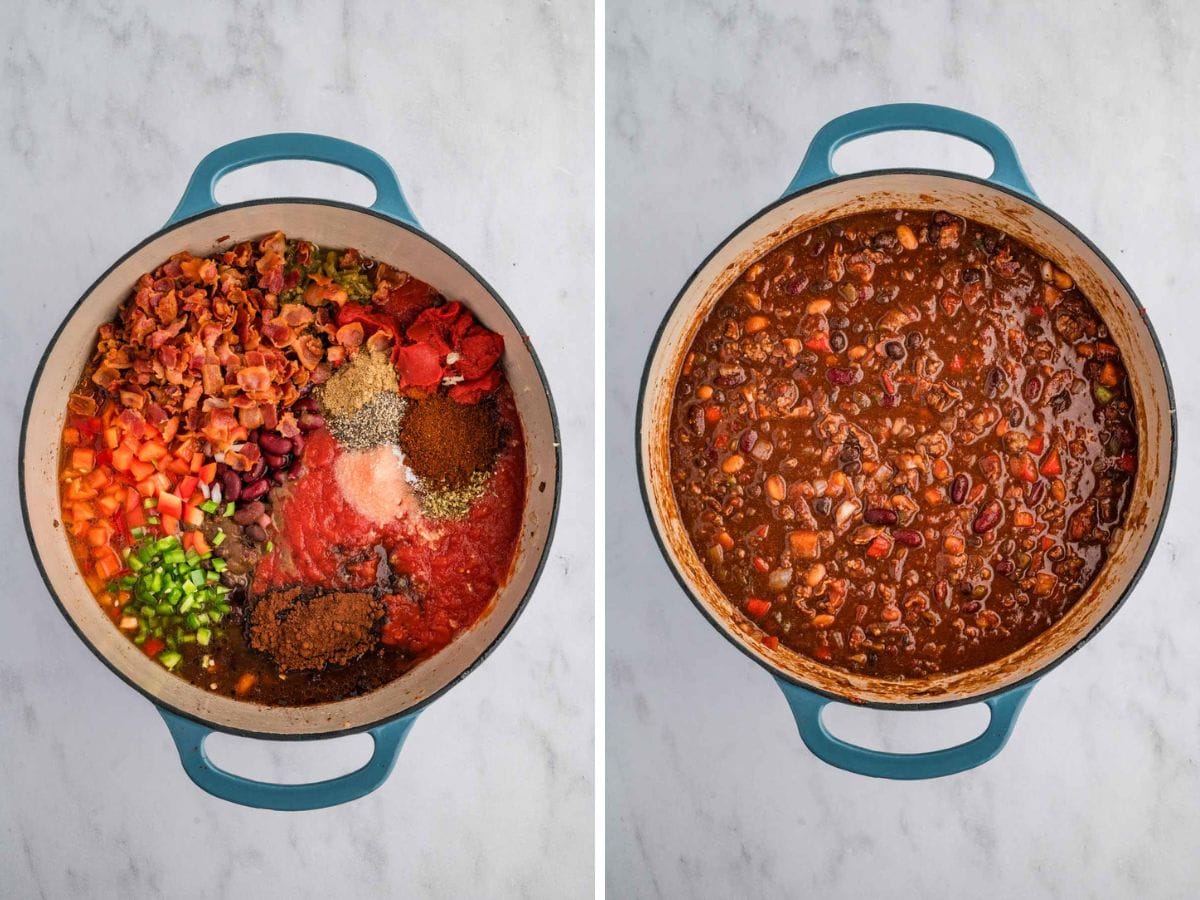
pixel 254 380
pixel 310 350
pixel 350 334
pixel 82 405
pixel 323 290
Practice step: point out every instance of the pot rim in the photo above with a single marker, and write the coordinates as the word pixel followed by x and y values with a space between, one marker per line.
pixel 423 702
pixel 777 671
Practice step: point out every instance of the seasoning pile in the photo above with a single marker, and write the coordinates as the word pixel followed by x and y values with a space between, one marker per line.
pixel 361 403
pixel 311 633
pixel 450 447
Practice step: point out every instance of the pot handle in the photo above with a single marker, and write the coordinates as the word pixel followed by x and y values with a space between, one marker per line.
pixel 198 195
pixel 807 706
pixel 818 161
pixel 189 739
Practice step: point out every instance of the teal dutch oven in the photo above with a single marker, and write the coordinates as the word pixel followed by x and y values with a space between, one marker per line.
pixel 389 231
pixel 1005 201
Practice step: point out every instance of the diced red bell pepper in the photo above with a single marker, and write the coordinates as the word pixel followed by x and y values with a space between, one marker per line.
pixel 1023 467
pixel 200 543
pixel 771 642
pixel 154 646
pixel 170 505
pixel 187 487
pixel 108 566
pixel 193 515
pixel 1037 444
pixel 207 472
pixel 757 608
pixel 112 438
pixel 140 469
pixel 1127 463
pixel 1051 466
pixel 819 342
pixel 879 547
pixel 169 524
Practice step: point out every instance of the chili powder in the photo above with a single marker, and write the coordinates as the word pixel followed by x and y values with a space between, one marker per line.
pixel 447 442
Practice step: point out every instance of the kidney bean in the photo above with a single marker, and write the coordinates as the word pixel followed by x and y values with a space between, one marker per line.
pixel 249 513
pixel 231 485
pixel 838 375
pixel 908 537
pixel 278 477
pixel 256 533
pixel 988 518
pixel 276 462
pixel 972 606
pixel 310 421
pixel 748 439
pixel 256 489
pixel 275 443
pixel 298 444
pixel 959 487
pixel 1033 388
pixel 294 469
pixel 1035 492
pixel 255 472
pixel 879 516
pixel 305 404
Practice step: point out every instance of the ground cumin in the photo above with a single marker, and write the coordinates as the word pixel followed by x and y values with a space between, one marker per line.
pixel 448 442
pixel 328 629
pixel 367 374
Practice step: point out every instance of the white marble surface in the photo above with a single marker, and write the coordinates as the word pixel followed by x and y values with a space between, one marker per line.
pixel 486 114
pixel 710 792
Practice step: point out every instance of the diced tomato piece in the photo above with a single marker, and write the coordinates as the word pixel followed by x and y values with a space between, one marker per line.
pixel 757 608
pixel 169 524
pixel 196 464
pixel 133 500
pixel 112 438
pixel 712 414
pixel 187 486
pixel 79 529
pixel 83 459
pixel 154 646
pixel 208 472
pixel 1037 309
pixel 1037 444
pixel 140 469
pixel 1127 463
pixel 193 515
pixel 771 642
pixel 151 451
pixel 169 504
pixel 823 653
pixel 136 517
pixel 122 458
pixel 1051 466
pixel 721 441
pixel 147 488
pixel 761 564
pixel 70 436
pixel 956 363
pixel 1046 543
pixel 108 504
pixel 177 466
pixel 161 482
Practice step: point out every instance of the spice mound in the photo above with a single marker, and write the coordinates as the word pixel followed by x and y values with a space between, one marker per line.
pixel 312 633
pixel 359 380
pixel 448 442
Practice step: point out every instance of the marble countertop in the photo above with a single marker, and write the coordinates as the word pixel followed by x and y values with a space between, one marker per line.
pixel 487 118
pixel 710 792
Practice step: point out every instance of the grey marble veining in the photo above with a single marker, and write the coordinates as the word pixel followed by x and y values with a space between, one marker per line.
pixel 486 114
pixel 710 792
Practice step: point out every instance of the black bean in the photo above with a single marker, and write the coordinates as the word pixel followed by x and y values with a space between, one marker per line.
pixel 838 341
pixel 822 506
pixel 970 276
pixel 994 380
pixel 914 340
pixel 894 349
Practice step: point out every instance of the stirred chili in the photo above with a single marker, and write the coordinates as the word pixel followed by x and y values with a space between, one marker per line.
pixel 902 442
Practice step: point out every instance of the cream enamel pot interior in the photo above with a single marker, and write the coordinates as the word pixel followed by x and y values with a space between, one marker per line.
pixel 1006 202
pixel 389 232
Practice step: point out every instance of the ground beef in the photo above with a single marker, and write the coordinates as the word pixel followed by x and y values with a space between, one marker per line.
pixel 313 632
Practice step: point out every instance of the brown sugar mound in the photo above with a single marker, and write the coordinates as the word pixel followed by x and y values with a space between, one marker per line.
pixel 312 633
pixel 446 441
